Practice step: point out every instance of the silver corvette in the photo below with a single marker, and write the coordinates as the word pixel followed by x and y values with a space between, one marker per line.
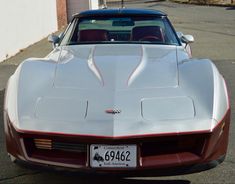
pixel 119 92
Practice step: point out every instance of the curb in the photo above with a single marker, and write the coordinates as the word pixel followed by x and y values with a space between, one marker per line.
pixel 200 4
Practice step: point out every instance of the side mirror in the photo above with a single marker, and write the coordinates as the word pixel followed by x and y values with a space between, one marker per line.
pixel 187 39
pixel 54 39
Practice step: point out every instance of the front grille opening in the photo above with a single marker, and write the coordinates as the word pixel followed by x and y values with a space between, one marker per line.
pixel 56 151
pixel 43 144
pixel 48 144
pixel 173 145
pixel 81 148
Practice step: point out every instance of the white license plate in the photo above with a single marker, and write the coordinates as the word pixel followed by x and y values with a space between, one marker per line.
pixel 116 156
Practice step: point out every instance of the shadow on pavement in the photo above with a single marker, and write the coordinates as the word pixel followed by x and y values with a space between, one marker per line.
pixel 231 8
pixel 48 174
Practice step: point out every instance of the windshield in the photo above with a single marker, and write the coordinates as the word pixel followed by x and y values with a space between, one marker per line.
pixel 95 30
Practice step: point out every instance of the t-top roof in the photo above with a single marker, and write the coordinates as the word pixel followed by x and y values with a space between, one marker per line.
pixel 121 11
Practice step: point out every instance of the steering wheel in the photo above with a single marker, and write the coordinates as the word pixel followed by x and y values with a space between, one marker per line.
pixel 149 38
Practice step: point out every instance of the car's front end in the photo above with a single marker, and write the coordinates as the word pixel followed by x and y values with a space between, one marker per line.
pixel 167 151
pixel 119 93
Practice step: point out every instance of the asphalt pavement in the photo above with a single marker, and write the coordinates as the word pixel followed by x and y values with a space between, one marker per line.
pixel 214 32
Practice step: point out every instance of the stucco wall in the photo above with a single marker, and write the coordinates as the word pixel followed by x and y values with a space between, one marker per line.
pixel 76 6
pixel 24 22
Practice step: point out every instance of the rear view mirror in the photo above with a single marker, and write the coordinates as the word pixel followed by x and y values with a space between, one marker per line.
pixel 123 23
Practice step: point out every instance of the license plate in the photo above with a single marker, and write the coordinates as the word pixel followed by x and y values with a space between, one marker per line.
pixel 116 156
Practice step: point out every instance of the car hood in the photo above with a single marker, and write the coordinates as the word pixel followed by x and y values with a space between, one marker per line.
pixel 112 90
pixel 115 67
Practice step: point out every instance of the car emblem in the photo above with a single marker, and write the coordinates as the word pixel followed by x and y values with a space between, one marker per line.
pixel 113 111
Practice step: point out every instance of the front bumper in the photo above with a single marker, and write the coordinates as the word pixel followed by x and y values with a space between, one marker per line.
pixel 187 150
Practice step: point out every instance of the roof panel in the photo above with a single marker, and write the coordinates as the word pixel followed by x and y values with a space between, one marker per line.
pixel 124 11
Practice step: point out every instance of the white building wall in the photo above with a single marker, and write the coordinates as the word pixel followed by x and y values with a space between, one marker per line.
pixel 94 4
pixel 76 6
pixel 24 22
